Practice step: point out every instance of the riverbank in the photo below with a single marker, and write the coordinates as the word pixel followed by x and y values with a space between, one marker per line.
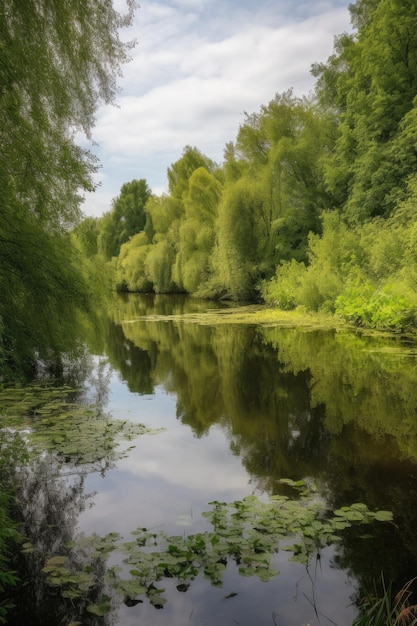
pixel 263 315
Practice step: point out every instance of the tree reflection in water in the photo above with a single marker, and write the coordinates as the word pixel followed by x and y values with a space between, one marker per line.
pixel 337 407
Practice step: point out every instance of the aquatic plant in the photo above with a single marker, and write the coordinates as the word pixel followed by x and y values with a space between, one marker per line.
pixel 76 433
pixel 387 609
pixel 247 532
pixel 39 422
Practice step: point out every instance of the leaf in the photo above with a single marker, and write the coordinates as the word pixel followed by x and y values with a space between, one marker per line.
pixel 264 574
pixel 101 609
pixel 131 588
pixel 359 506
pixel 55 561
pixel 384 516
pixel 28 548
pixel 71 593
pixel 135 572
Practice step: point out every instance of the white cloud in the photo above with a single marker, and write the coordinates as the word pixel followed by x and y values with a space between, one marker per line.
pixel 192 76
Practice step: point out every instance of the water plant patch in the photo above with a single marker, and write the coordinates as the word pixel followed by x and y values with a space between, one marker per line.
pixel 77 433
pixel 246 532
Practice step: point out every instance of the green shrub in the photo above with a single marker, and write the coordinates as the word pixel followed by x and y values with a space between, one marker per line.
pixel 283 290
pixel 364 305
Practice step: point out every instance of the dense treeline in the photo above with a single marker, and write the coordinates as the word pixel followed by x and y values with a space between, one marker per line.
pixel 314 203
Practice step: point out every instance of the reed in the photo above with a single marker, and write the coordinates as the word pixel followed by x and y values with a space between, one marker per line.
pixel 389 610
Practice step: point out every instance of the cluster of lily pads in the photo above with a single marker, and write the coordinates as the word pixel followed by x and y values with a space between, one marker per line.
pixel 54 420
pixel 247 532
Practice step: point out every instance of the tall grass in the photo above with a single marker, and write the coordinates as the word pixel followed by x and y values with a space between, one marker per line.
pixel 389 610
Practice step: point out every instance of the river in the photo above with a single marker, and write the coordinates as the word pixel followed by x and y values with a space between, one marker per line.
pixel 233 409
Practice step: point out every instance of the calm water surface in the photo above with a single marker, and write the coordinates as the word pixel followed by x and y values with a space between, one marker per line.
pixel 243 406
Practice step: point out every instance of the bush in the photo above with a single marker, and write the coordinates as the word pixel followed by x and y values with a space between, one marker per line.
pixel 283 290
pixel 384 309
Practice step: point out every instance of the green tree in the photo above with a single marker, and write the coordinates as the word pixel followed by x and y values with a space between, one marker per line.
pixel 274 192
pixel 164 218
pixel 59 61
pixel 85 234
pixel 197 231
pixel 191 197
pixel 180 172
pixel 236 258
pixel 126 218
pixel 130 266
pixel 372 80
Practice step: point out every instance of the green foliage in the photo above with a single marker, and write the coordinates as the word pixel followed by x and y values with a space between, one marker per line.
pixel 365 274
pixel 85 235
pixel 12 452
pixel 387 609
pixel 314 205
pixel 267 211
pixel 197 231
pixel 96 275
pixel 8 536
pixel 181 171
pixel 362 305
pixel 363 267
pixel 59 61
pixel 53 423
pixel 283 290
pixel 372 79
pixel 316 286
pixel 172 248
pixel 130 266
pixel 237 253
pixel 220 231
pixel 246 531
pixel 158 266
pixel 43 287
pixel 126 218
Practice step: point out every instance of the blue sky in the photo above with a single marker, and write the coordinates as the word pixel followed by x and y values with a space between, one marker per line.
pixel 198 65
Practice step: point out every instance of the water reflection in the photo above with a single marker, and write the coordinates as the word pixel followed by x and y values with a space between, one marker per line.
pixel 48 508
pixel 333 405
pixel 251 405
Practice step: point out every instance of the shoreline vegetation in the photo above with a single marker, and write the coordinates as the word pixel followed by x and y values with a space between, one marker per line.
pixel 265 315
pixel 313 206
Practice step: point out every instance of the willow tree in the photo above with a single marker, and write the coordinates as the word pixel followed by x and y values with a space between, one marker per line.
pixel 167 215
pixel 197 232
pixel 273 193
pixel 164 217
pixel 58 62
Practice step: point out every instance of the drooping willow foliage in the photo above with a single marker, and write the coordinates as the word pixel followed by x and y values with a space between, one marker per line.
pixel 58 62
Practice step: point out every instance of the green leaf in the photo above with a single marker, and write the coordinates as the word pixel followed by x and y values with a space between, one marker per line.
pixel 100 609
pixel 384 516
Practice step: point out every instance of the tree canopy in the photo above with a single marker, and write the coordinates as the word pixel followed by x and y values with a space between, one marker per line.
pixel 126 218
pixel 59 61
pixel 314 203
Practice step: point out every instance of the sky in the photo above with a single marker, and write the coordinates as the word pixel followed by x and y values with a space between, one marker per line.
pixel 198 66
